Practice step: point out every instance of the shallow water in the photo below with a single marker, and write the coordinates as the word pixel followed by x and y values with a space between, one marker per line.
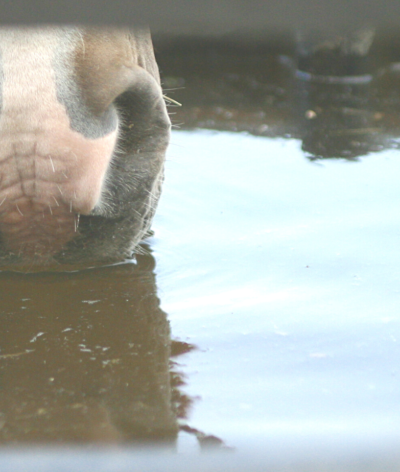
pixel 285 275
pixel 261 318
pixel 280 280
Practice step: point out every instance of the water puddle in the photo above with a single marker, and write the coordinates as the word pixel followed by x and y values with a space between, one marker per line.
pixel 285 274
pixel 260 319
pixel 266 314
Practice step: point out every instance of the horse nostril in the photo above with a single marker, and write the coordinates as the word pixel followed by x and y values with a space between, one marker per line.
pixel 83 131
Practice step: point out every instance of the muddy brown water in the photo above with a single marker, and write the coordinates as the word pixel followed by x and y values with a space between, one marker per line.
pixel 261 319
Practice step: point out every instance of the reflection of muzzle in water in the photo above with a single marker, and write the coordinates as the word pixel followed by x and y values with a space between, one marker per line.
pixel 85 357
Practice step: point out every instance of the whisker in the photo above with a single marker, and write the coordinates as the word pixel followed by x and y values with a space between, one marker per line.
pixel 175 88
pixel 171 100
pixel 76 222
pixel 19 211
pixel 52 164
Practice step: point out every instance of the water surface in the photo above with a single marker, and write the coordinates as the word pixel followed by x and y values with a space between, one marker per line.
pixel 285 274
pixel 265 323
pixel 261 318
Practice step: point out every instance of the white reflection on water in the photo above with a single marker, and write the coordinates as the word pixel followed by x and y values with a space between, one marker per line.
pixel 285 273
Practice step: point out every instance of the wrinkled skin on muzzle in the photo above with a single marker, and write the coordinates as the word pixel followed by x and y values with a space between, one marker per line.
pixel 83 135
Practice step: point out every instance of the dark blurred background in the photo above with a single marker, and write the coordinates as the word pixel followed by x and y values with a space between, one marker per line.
pixel 207 17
